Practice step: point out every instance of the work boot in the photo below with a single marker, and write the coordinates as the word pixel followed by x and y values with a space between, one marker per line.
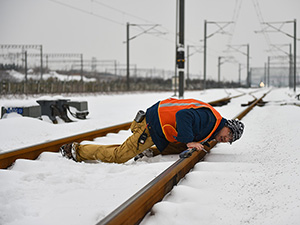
pixel 69 150
pixel 148 153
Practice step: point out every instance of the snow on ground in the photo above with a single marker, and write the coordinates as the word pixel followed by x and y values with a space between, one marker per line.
pixel 52 74
pixel 253 181
pixel 104 111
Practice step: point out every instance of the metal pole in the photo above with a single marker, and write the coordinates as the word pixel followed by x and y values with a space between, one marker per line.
pixel 181 45
pixel 128 69
pixel 248 78
pixel 290 66
pixel 47 61
pixel 250 75
pixel 41 49
pixel 204 58
pixel 187 66
pixel 268 71
pixel 219 70
pixel 181 22
pixel 25 66
pixel 239 74
pixel 295 54
pixel 81 67
pixel 25 83
pixel 176 48
pixel 265 74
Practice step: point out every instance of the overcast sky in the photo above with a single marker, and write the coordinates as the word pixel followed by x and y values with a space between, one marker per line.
pixel 97 28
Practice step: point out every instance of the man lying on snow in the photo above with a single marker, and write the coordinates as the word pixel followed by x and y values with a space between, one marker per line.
pixel 171 125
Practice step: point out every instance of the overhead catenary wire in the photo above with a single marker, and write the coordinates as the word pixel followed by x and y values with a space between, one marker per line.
pixel 158 33
pixel 261 21
pixel 87 12
pixel 235 16
pixel 133 16
pixel 121 11
pixel 91 13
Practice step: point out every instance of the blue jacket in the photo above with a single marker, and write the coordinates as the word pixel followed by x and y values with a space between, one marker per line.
pixel 192 125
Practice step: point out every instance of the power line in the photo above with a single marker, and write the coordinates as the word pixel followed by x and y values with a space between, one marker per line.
pixel 87 12
pixel 109 19
pixel 121 11
pixel 137 17
pixel 236 13
pixel 261 20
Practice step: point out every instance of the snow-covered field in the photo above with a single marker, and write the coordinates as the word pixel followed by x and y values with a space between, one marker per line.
pixel 253 181
pixel 52 74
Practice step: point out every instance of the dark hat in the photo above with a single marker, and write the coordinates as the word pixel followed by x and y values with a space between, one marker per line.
pixel 237 128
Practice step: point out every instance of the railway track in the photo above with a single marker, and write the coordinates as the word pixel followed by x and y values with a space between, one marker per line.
pixel 133 210
pixel 32 152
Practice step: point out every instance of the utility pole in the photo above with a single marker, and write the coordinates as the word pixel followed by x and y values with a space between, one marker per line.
pixel 128 38
pixel 187 65
pixel 26 79
pixel 25 53
pixel 272 25
pixel 248 71
pixel 226 59
pixel 180 50
pixel 268 72
pixel 290 57
pixel 81 67
pixel 219 70
pixel 290 67
pixel 220 30
pixel 204 58
pixel 247 54
pixel 239 74
pixel 188 55
pixel 176 47
pixel 127 57
pixel 265 74
pixel 41 52
pixel 295 54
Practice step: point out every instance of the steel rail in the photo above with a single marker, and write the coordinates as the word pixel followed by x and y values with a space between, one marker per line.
pixel 135 208
pixel 32 152
pixel 224 101
pixel 248 109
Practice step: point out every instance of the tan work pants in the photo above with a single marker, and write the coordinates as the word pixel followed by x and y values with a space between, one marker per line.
pixel 117 153
pixel 126 151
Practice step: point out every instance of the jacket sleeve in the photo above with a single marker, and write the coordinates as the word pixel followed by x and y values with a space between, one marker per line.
pixel 185 119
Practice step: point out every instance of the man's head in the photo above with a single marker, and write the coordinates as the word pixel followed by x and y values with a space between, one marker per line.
pixel 231 132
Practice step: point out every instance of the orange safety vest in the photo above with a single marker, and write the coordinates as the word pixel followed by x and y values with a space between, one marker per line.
pixel 168 108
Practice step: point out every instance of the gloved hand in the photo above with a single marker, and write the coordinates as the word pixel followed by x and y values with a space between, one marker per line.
pixel 196 145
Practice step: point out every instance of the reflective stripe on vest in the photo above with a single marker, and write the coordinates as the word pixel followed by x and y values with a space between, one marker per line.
pixel 168 108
